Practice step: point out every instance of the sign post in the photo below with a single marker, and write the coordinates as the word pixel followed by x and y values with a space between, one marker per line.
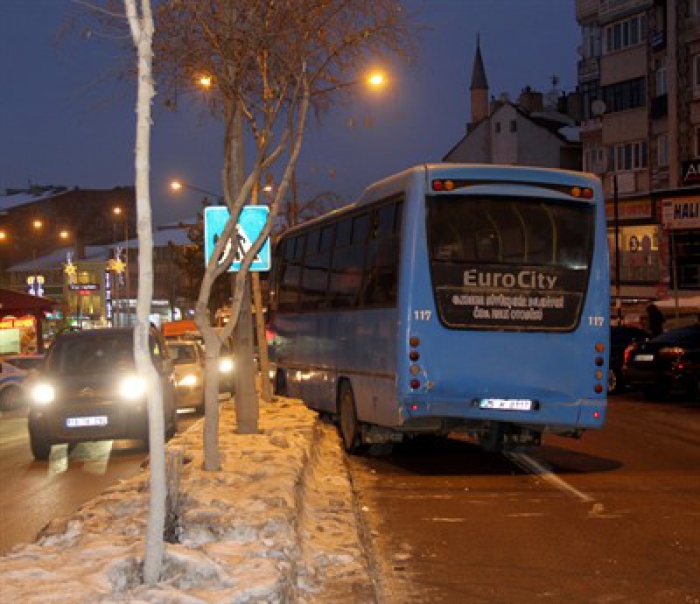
pixel 251 222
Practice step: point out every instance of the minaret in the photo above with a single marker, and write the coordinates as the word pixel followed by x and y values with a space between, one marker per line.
pixel 479 89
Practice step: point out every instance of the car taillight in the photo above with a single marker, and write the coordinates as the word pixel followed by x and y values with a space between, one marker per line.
pixel 628 353
pixel 672 351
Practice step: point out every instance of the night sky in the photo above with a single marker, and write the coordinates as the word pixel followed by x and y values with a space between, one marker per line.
pixel 63 120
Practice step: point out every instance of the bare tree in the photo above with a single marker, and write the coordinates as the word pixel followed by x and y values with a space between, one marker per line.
pixel 140 19
pixel 267 59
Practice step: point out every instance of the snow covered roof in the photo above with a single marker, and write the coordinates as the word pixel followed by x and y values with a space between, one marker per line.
pixel 161 238
pixel 13 199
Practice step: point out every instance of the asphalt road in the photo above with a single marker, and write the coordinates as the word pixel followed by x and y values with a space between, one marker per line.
pixel 32 493
pixel 613 517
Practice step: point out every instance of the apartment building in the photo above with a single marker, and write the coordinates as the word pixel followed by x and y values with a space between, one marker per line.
pixel 639 77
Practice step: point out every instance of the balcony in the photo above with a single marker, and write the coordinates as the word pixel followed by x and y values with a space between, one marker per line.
pixel 588 70
pixel 586 9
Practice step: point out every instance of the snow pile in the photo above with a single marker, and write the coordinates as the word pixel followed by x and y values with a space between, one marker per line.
pixel 278 523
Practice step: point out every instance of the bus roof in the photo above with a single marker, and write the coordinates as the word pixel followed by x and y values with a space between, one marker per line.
pixel 424 173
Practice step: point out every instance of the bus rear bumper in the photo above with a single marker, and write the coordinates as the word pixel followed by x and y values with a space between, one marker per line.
pixel 581 414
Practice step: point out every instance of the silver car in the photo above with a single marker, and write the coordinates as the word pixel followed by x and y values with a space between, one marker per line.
pixel 188 362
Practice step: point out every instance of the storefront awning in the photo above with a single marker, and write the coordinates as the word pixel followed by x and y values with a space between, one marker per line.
pixel 16 303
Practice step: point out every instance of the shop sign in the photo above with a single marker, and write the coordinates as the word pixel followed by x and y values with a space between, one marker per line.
pixel 681 213
pixel 627 210
pixel 17 323
pixel 84 288
pixel 691 172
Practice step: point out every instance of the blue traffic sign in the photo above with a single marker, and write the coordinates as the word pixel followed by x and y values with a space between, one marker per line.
pixel 251 222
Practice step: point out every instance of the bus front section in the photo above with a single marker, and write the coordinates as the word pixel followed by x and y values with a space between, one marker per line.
pixel 507 310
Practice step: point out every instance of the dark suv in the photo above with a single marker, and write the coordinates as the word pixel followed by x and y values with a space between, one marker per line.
pixel 88 389
pixel 667 363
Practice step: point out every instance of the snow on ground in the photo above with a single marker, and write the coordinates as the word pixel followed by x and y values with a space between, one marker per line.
pixel 278 523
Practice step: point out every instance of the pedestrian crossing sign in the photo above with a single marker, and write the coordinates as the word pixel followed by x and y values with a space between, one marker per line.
pixel 251 222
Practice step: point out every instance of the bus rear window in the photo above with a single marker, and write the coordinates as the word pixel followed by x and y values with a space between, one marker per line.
pixel 509 263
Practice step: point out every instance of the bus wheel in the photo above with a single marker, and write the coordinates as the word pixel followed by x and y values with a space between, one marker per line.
pixel 280 383
pixel 349 426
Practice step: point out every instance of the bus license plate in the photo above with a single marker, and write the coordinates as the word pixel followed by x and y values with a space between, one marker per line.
pixel 506 404
pixel 86 422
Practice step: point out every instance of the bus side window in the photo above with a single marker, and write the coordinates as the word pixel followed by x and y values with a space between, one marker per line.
pixel 348 262
pixel 381 279
pixel 289 279
pixel 314 277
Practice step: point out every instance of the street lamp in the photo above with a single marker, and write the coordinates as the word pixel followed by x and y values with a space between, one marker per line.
pixel 178 185
pixel 120 212
pixel 376 79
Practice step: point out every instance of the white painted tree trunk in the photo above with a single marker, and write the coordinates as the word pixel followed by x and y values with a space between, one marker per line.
pixel 141 25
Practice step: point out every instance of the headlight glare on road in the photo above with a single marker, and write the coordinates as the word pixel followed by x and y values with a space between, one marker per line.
pixel 188 380
pixel 226 365
pixel 132 387
pixel 43 394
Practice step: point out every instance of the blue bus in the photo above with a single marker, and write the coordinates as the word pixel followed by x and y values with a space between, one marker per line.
pixel 449 298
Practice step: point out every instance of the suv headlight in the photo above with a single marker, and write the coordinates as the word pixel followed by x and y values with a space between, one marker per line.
pixel 188 380
pixel 132 387
pixel 226 365
pixel 43 394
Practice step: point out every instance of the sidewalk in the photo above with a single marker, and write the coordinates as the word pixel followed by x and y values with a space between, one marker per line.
pixel 278 523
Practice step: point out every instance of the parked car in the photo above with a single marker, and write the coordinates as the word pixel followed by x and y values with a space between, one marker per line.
pixel 666 363
pixel 621 336
pixel 227 365
pixel 13 374
pixel 188 361
pixel 88 389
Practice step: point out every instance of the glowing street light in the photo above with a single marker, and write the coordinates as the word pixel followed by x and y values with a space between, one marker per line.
pixel 178 185
pixel 205 81
pixel 37 224
pixel 376 79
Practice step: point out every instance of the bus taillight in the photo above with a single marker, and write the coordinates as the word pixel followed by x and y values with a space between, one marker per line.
pixel 415 384
pixel 414 355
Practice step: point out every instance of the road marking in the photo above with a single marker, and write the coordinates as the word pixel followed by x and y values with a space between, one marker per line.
pixel 531 465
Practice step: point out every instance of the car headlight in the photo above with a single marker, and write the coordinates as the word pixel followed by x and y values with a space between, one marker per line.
pixel 43 394
pixel 189 380
pixel 132 387
pixel 226 365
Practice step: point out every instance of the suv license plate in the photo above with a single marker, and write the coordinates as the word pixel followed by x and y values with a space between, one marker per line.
pixel 506 404
pixel 85 422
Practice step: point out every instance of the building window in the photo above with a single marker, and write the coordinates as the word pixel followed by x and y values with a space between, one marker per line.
pixel 629 156
pixel 594 160
pixel 513 126
pixel 622 96
pixel 498 127
pixel 624 34
pixel 662 150
pixel 697 141
pixel 661 85
pixel 695 8
pixel 696 76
